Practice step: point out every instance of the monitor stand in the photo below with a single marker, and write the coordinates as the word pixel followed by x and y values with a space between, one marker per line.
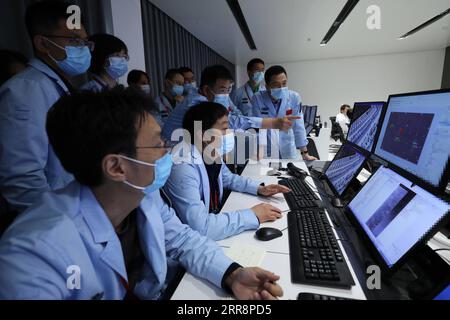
pixel 337 203
pixel 430 272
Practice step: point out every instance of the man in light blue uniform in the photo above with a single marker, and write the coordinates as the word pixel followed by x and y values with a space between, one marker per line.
pixel 172 96
pixel 199 178
pixel 243 96
pixel 190 83
pixel 216 85
pixel 28 166
pixel 279 101
pixel 108 235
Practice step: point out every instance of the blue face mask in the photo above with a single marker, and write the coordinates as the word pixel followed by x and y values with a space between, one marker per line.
pixel 258 77
pixel 189 87
pixel 223 99
pixel 279 93
pixel 117 68
pixel 162 172
pixel 77 62
pixel 228 144
pixel 177 90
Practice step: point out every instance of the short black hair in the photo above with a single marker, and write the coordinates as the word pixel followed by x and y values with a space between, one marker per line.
pixel 272 72
pixel 85 127
pixel 345 106
pixel 184 70
pixel 7 60
pixel 252 63
pixel 105 45
pixel 213 73
pixel 171 73
pixel 135 75
pixel 43 17
pixel 206 112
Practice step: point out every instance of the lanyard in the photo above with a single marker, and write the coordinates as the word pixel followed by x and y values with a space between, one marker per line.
pixel 100 82
pixel 246 92
pixel 130 294
pixel 165 105
pixel 277 105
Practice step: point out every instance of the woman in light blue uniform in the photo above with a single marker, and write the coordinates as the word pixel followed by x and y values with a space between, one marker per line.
pixel 242 97
pixel 108 235
pixel 279 101
pixel 199 178
pixel 109 63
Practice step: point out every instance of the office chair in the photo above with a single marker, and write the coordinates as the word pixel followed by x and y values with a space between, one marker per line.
pixel 336 131
pixel 312 149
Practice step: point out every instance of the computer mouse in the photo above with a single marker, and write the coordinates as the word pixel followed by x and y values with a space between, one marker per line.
pixel 337 203
pixel 267 234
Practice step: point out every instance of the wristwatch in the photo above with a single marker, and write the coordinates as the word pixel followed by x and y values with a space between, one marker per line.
pixel 304 152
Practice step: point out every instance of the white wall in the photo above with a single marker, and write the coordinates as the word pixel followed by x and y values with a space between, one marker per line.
pixel 331 83
pixel 127 24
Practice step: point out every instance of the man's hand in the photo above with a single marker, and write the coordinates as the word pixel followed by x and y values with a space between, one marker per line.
pixel 273 189
pixel 254 284
pixel 307 157
pixel 283 124
pixel 266 212
pixel 179 99
pixel 286 123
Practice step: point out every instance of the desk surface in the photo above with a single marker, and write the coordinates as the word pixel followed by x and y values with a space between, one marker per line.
pixel 277 251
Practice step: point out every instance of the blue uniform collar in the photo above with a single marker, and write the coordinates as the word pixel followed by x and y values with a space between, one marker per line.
pixel 101 227
pixel 102 231
pixel 269 103
pixel 42 67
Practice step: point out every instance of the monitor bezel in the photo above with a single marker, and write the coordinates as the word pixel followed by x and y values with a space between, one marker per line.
pixel 437 190
pixel 333 189
pixel 412 251
pixel 380 124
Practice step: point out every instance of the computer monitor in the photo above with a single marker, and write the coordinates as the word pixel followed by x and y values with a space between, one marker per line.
pixel 309 118
pixel 345 167
pixel 415 137
pixel 396 216
pixel 366 124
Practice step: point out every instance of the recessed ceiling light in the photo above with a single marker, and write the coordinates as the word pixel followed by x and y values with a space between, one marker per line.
pixel 345 12
pixel 426 24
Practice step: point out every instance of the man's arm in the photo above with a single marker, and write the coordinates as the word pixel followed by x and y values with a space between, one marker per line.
pixel 204 259
pixel 23 143
pixel 31 273
pixel 301 140
pixel 237 183
pixel 183 189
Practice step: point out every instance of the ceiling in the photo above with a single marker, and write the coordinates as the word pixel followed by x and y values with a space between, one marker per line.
pixel 291 30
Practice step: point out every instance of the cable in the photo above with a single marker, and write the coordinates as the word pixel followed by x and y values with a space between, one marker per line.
pixel 442 249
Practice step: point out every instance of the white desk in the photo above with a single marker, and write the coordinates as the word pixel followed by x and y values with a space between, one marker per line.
pixel 277 251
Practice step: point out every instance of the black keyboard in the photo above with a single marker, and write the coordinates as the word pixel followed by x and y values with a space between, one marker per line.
pixel 319 297
pixel 315 255
pixel 301 196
